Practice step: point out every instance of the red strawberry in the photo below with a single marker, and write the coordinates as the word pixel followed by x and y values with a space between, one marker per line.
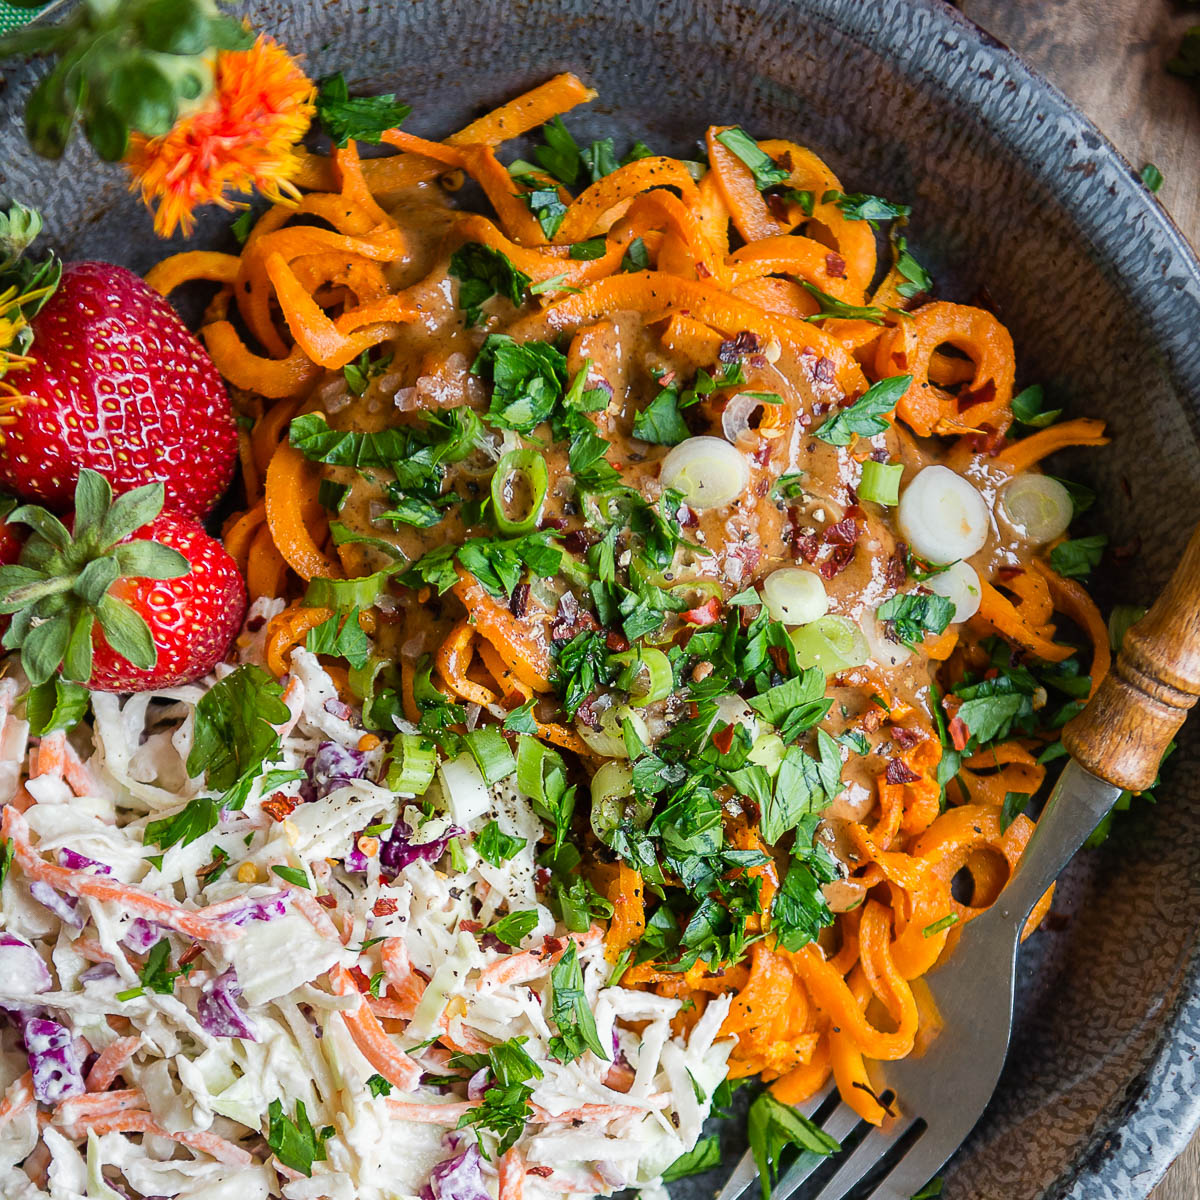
pixel 128 598
pixel 11 540
pixel 120 386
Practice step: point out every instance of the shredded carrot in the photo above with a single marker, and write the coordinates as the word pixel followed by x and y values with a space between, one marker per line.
pixel 112 1059
pixel 164 277
pixel 1023 453
pixel 192 922
pixel 369 1036
pixel 17 1098
pixel 290 479
pixel 135 1121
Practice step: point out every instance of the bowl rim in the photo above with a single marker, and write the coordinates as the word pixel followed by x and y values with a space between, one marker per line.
pixel 1130 1149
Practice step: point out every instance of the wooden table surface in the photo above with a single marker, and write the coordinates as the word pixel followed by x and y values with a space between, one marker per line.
pixel 1108 56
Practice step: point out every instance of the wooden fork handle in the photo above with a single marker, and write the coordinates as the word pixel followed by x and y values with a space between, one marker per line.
pixel 1126 728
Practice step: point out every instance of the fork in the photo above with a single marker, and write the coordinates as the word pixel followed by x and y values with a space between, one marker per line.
pixel 934 1100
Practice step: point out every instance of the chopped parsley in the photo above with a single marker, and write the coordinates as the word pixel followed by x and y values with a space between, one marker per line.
pixel 496 846
pixel 505 1107
pixel 483 273
pixel 571 1012
pixel 859 206
pixel 767 173
pixel 156 973
pixel 341 636
pixel 773 1126
pixel 1078 557
pixel 295 1143
pixel 831 306
pixel 868 415
pixel 914 614
pixel 362 118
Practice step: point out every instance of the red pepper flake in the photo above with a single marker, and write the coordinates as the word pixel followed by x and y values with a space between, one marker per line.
pixel 835 266
pixel 552 945
pixel 190 955
pixel 702 272
pixel 985 395
pixel 842 533
pixel 1004 574
pixel 806 546
pixel 326 900
pixel 707 613
pixel 616 641
pixel 738 347
pixel 518 602
pixel 896 570
pixel 960 735
pixel 723 739
pixel 570 619
pixel 906 739
pixel 837 562
pixel 360 979
pixel 1127 550
pixel 540 1172
pixel 385 906
pixel 824 370
pixel 470 926
pixel 666 379
pixel 687 517
pixel 900 772
pixel 279 806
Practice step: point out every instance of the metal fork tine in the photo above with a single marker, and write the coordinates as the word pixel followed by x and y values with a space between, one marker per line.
pixel 743 1176
pixel 868 1152
pixel 745 1173
pixel 918 1166
pixel 841 1124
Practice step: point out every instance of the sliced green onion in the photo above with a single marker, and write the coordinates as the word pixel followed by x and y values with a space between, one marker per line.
pixel 519 487
pixel 647 675
pixel 942 516
pixel 694 592
pixel 959 583
pixel 612 786
pixel 832 643
pixel 414 760
pixel 707 471
pixel 344 594
pixel 491 753
pixel 362 679
pixel 1038 506
pixel 540 770
pixel 880 482
pixel 609 739
pixel 768 751
pixel 794 596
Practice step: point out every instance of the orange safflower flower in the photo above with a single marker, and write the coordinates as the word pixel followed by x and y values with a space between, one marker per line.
pixel 241 137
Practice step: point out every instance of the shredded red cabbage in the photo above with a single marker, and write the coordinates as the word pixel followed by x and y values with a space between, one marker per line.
pixel 74 861
pixel 266 909
pixel 63 907
pixel 397 852
pixel 56 1064
pixel 218 1011
pixel 459 1178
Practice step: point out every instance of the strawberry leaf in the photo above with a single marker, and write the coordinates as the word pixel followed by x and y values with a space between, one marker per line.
pixel 93 497
pixel 95 579
pixel 131 511
pixel 77 661
pixel 126 632
pixel 150 560
pixel 43 522
pixel 44 647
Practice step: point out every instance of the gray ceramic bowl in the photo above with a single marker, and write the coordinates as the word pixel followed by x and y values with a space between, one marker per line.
pixel 1012 191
